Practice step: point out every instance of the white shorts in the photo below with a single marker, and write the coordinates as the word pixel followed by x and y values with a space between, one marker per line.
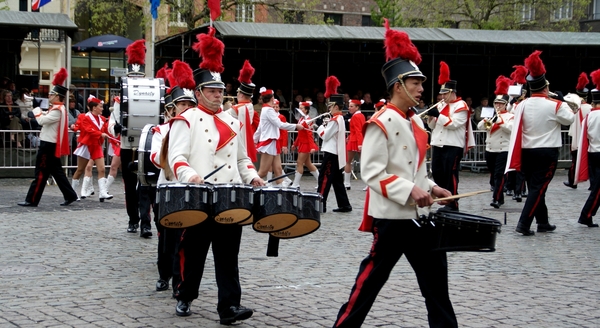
pixel 82 151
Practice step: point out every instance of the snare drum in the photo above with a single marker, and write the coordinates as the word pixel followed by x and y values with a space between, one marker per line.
pixel 456 231
pixel 275 209
pixel 183 205
pixel 142 102
pixel 147 172
pixel 310 205
pixel 232 203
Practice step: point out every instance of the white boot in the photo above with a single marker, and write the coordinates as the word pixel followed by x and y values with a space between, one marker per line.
pixel 286 182
pixel 269 175
pixel 85 187
pixel 315 174
pixel 297 178
pixel 91 190
pixel 102 186
pixel 75 185
pixel 109 182
pixel 347 180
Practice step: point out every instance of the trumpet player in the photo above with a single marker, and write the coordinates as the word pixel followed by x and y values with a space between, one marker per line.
pixel 498 128
pixel 355 139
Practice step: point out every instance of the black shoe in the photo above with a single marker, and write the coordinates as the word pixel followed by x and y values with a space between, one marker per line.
pixel 162 285
pixel 183 308
pixel 235 313
pixel 496 204
pixel 566 183
pixel 145 233
pixel 546 227
pixel 524 194
pixel 509 193
pixel 132 227
pixel 68 202
pixel 525 232
pixel 343 209
pixel 26 203
pixel 588 223
pixel 518 198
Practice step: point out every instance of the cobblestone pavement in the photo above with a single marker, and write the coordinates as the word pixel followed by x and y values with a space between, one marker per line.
pixel 77 266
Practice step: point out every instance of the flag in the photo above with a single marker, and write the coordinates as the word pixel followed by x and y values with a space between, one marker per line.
pixel 37 4
pixel 154 8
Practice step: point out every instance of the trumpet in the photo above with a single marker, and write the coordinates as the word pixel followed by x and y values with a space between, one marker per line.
pixel 489 123
pixel 422 114
pixel 317 117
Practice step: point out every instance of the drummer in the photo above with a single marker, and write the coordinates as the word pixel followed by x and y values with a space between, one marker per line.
pixel 389 169
pixel 194 134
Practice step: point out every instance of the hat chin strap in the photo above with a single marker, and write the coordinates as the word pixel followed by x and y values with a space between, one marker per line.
pixel 212 103
pixel 406 90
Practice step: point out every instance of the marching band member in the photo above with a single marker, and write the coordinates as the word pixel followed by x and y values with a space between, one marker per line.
pixel 588 157
pixel 333 134
pixel 534 144
pixel 54 144
pixel 498 130
pixel 114 150
pixel 268 132
pixel 393 166
pixel 200 140
pixel 244 110
pixel 305 145
pixel 451 135
pixel 355 139
pixel 516 185
pixel 576 128
pixel 92 133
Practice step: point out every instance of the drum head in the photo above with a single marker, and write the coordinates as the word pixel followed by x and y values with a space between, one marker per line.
pixel 183 219
pixel 275 222
pixel 248 221
pixel 302 228
pixel 233 216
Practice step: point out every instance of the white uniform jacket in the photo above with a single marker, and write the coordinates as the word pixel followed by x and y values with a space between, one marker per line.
pixel 593 131
pixel 269 126
pixel 541 119
pixel 334 136
pixel 160 131
pixel 115 117
pixel 246 115
pixel 498 137
pixel 391 164
pixel 575 128
pixel 452 126
pixel 201 141
pixel 50 121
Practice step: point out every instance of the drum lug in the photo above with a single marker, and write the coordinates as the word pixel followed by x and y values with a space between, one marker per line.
pixel 168 195
pixel 279 199
pixel 232 195
pixel 295 201
pixel 187 195
pixel 251 200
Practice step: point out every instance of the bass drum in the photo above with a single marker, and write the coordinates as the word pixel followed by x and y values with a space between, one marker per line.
pixel 310 205
pixel 142 103
pixel 147 172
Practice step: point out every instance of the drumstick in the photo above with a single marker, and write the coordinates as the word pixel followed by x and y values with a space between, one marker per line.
pixel 214 171
pixel 281 177
pixel 467 194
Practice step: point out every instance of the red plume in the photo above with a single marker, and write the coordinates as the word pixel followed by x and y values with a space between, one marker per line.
pixel 596 78
pixel 535 65
pixel 183 75
pixel 136 52
pixel 444 73
pixel 331 85
pixel 246 73
pixel 398 44
pixel 215 9
pixel 162 73
pixel 518 76
pixel 171 78
pixel 582 81
pixel 60 77
pixel 502 83
pixel 211 50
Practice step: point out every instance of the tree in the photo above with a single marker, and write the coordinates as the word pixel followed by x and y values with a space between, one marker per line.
pixel 100 17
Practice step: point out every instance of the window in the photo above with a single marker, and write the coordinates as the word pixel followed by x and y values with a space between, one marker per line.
pixel 293 17
pixel 333 19
pixel 45 74
pixel 595 14
pixel 527 13
pixel 367 21
pixel 244 11
pixel 23 5
pixel 563 12
pixel 175 15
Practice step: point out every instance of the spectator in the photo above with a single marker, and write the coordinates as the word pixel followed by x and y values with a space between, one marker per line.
pixel 11 117
pixel 321 106
pixel 25 103
pixel 421 107
pixel 346 100
pixel 279 96
pixel 78 97
pixel 477 112
pixel 367 105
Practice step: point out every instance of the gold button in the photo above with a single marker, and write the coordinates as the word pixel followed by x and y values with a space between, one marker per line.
pixel 389 119
pixel 231 123
pixel 215 179
pixel 397 133
pixel 206 130
pixel 200 119
pixel 209 140
pixel 231 143
pixel 215 166
pixel 229 166
pixel 231 180
pixel 404 147
pixel 409 162
pixel 228 155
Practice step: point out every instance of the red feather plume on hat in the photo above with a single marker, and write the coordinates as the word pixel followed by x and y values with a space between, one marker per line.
pixel 331 85
pixel 582 81
pixel 398 44
pixel 502 83
pixel 444 73
pixel 246 73
pixel 211 50
pixel 535 65
pixel 518 76
pixel 136 52
pixel 60 77
pixel 183 75
pixel 596 78
pixel 172 80
pixel 162 73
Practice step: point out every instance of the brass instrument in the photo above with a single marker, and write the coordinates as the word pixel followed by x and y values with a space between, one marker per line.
pixel 489 123
pixel 318 116
pixel 421 115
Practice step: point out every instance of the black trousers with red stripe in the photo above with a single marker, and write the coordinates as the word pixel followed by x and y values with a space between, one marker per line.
pixel 445 165
pixel 496 163
pixel 168 243
pixel 130 182
pixel 593 202
pixel 46 165
pixel 331 176
pixel 193 249
pixel 539 166
pixel 391 240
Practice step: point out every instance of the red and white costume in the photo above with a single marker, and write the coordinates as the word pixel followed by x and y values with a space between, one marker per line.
pixel 452 126
pixel 283 135
pixel 355 139
pixel 244 112
pixel 267 134
pixel 332 136
pixel 115 116
pixel 90 141
pixel 589 142
pixel 305 141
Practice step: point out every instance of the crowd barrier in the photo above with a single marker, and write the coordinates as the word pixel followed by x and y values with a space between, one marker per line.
pixel 24 157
